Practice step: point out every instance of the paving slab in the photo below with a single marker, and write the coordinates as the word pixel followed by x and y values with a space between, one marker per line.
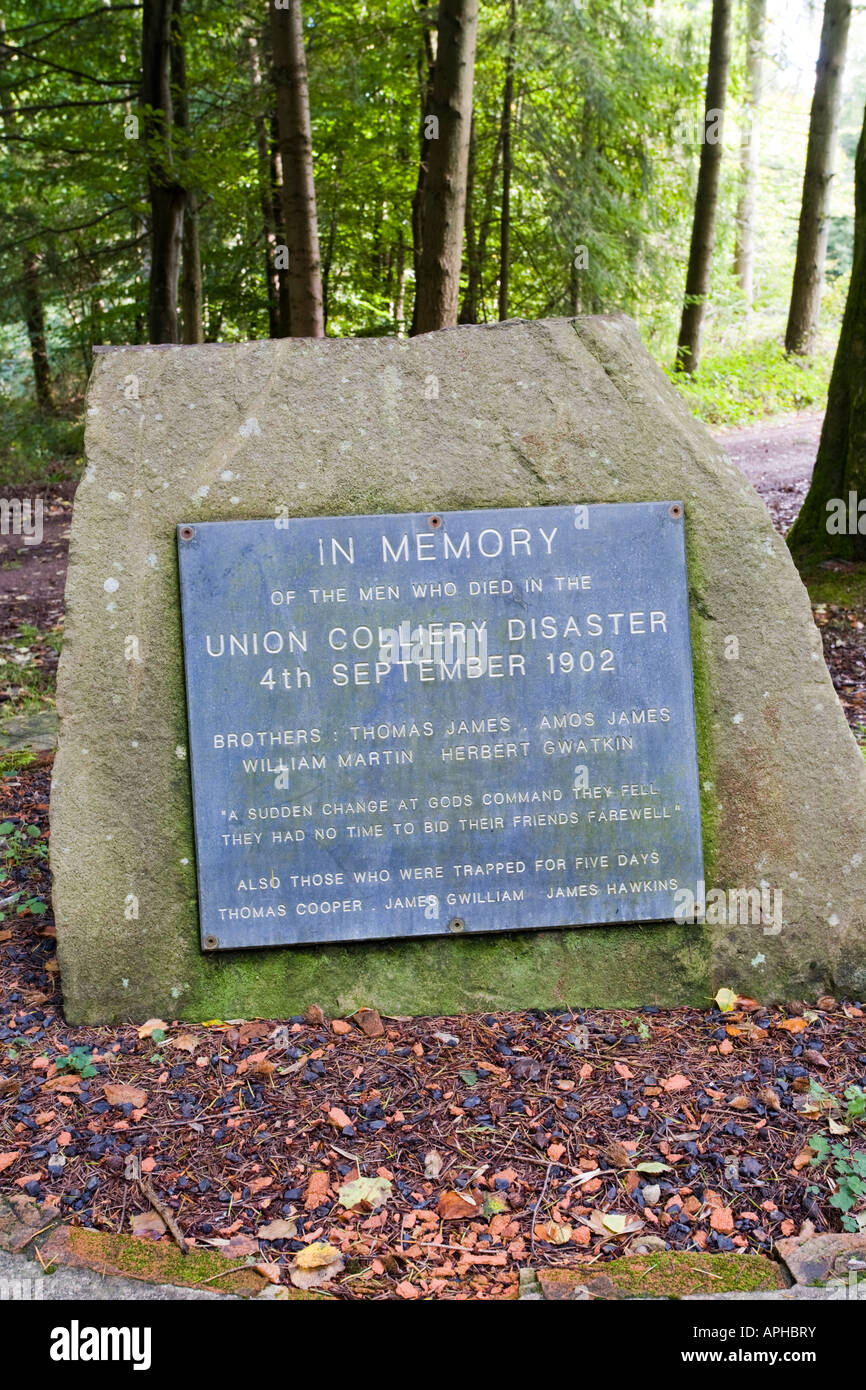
pixel 23 1280
pixel 36 732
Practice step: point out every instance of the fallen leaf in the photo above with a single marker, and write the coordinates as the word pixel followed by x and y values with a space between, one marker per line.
pixel 614 1223
pixel 7 1159
pixel 153 1025
pixel 726 999
pixel 317 1191
pixel 617 1156
pixel 722 1220
pixel 118 1093
pixel 457 1206
pixel 314 1265
pixel 280 1229
pixel 370 1023
pixel 270 1270
pixel 365 1194
pixel 652 1168
pixel 554 1232
pixel 184 1042
pixel 678 1082
pixel 793 1025
pixel 148 1224
pixel 767 1096
pixel 432 1164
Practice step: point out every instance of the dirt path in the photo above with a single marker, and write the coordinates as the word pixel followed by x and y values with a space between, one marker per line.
pixel 777 457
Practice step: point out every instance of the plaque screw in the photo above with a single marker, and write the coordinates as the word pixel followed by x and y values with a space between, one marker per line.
pixel 435 521
pixel 187 533
pixel 211 943
pixel 676 511
pixel 456 924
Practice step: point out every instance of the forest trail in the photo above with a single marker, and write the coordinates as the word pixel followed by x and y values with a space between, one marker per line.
pixel 777 457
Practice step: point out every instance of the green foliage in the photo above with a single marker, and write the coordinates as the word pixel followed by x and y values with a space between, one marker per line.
pixel 16 761
pixel 848 1167
pixel 739 386
pixel 39 448
pixel 22 848
pixel 80 1060
pixel 27 683
pixel 846 1163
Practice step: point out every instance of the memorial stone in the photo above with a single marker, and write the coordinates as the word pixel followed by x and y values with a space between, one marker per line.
pixel 213 472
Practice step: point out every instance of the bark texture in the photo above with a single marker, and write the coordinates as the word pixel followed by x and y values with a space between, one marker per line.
pixel 815 208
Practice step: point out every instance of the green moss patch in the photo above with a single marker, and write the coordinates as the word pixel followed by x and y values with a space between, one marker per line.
pixel 846 587
pixel 669 1274
pixel 157 1262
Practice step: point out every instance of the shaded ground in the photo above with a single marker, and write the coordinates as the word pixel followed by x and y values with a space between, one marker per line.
pixel 777 457
pixel 32 581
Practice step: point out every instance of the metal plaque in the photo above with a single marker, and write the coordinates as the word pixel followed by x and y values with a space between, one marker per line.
pixel 411 725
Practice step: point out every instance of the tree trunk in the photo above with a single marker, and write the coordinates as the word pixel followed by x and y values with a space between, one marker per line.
pixel 166 193
pixel 707 196
pixel 505 219
pixel 267 194
pixel 744 254
pixel 35 320
pixel 426 69
pixel 190 279
pixel 280 249
pixel 191 292
pixel 31 298
pixel 444 203
pixel 296 155
pixel 830 520
pixel 815 208
pixel 469 307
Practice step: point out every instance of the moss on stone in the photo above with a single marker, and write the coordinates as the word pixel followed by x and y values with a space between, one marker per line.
pixel 672 1274
pixel 158 1262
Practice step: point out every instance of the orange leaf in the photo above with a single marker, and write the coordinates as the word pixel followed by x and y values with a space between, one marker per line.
pixel 677 1083
pixel 458 1206
pixel 7 1159
pixel 722 1220
pixel 793 1025
pixel 118 1093
pixel 317 1190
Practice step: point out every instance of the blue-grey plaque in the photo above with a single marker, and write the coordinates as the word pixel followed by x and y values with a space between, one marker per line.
pixel 411 725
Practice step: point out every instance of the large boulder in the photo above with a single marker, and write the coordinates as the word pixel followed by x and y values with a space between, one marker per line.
pixel 518 414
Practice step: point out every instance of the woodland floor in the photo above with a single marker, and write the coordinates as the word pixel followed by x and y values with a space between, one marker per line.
pixel 499 1139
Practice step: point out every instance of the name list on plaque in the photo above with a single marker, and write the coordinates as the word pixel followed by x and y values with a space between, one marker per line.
pixel 420 724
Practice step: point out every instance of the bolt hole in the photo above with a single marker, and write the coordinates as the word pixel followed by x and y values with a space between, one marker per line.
pixel 676 511
pixel 211 943
pixel 456 924
pixel 435 521
pixel 187 533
